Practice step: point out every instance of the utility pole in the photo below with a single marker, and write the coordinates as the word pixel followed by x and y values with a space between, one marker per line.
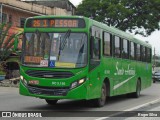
pixel 154 64
pixel 1 13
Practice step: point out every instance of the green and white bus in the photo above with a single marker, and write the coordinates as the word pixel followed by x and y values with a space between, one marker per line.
pixel 74 57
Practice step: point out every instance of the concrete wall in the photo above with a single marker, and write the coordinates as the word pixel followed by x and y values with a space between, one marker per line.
pixel 35 9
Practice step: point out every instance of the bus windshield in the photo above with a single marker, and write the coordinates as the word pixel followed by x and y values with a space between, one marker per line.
pixel 60 50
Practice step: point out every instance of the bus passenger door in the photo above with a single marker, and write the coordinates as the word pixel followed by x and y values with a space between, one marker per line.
pixel 94 67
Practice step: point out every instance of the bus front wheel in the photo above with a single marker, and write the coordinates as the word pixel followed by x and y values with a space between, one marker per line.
pixel 99 102
pixel 51 102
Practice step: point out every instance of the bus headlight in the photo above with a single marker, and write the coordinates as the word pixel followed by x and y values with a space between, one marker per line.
pixel 77 83
pixel 23 80
pixel 21 77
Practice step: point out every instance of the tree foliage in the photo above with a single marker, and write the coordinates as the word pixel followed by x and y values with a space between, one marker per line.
pixel 138 16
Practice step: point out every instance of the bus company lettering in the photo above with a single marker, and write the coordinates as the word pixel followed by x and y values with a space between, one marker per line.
pixel 122 71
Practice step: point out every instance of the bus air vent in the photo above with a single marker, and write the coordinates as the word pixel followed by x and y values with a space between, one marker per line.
pixel 48 91
pixel 49 74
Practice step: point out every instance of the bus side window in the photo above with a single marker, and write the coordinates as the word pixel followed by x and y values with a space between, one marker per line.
pixel 138 56
pixel 125 50
pixel 117 47
pixel 148 55
pixel 146 51
pixel 132 51
pixel 95 48
pixel 143 54
pixel 107 44
pixel 95 43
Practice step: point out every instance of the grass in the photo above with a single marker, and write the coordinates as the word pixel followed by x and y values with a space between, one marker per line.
pixel 2 73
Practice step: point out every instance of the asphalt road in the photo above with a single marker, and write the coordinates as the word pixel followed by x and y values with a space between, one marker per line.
pixel 10 100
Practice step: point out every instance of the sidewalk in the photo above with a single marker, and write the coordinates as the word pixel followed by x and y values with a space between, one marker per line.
pixel 9 83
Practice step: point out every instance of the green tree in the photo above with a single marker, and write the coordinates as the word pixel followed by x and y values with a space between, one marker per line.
pixel 124 14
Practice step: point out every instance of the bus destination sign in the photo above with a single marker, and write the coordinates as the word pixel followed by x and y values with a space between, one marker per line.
pixel 56 23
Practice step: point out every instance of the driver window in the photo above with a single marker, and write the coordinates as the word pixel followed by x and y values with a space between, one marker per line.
pixel 96 48
pixel 95 43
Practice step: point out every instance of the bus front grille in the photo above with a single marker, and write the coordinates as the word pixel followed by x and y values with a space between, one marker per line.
pixel 49 74
pixel 48 91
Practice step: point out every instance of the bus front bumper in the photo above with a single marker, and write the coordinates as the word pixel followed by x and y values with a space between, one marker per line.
pixel 77 93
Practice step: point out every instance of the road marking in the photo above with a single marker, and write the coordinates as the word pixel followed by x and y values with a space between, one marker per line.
pixel 143 105
pixel 131 109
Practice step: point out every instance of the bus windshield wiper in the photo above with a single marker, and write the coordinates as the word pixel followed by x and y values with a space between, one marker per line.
pixel 63 42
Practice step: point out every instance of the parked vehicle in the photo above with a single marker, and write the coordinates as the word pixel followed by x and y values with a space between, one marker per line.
pixel 156 76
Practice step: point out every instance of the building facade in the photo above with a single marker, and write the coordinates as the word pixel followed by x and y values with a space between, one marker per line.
pixel 16 11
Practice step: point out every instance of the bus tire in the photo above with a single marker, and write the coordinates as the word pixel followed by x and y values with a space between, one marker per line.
pixel 51 102
pixel 100 102
pixel 138 90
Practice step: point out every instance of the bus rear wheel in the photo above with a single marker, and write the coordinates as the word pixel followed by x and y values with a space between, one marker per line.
pixel 138 90
pixel 100 102
pixel 51 102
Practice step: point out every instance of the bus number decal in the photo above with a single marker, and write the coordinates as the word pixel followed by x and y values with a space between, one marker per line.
pixel 58 83
pixel 107 72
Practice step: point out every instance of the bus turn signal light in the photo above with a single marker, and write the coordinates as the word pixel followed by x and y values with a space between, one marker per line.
pixel 34 82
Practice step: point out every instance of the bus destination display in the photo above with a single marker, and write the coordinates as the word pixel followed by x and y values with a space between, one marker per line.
pixel 57 23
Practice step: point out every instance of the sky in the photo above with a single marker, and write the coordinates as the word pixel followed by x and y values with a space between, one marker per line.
pixel 153 39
